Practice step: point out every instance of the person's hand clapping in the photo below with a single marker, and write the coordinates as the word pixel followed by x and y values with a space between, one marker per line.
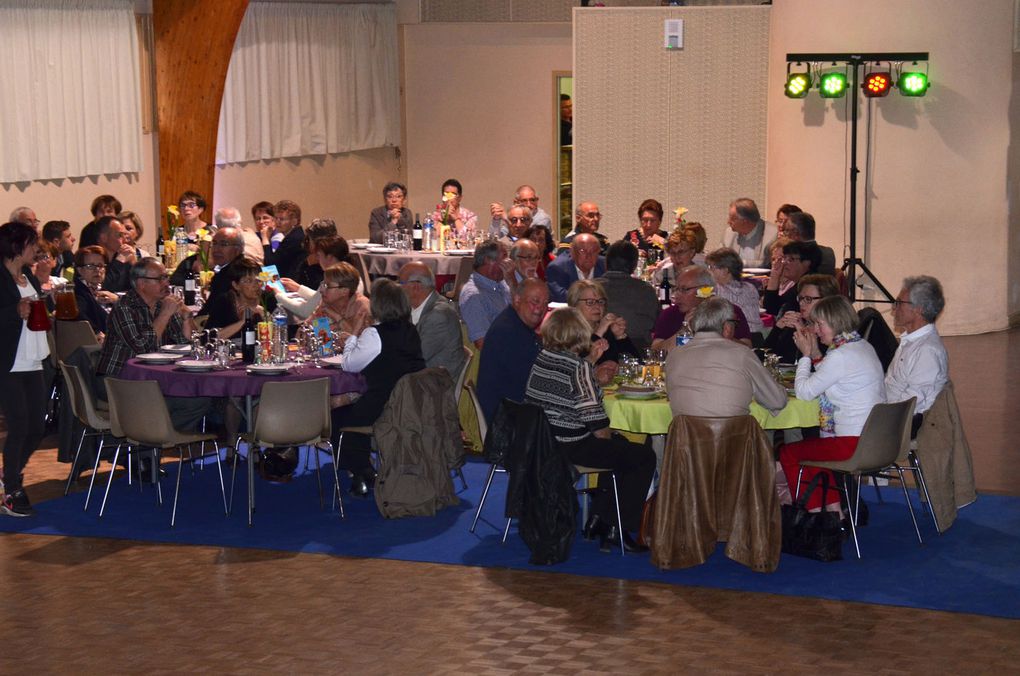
pixel 790 320
pixel 598 348
pixel 807 342
pixel 618 327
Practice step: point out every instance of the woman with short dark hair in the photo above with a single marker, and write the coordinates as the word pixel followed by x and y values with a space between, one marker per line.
pixel 22 393
pixel 649 235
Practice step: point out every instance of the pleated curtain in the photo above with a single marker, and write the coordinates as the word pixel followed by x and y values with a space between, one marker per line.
pixel 310 79
pixel 69 93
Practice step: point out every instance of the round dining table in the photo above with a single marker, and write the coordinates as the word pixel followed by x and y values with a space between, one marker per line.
pixel 653 416
pixel 390 263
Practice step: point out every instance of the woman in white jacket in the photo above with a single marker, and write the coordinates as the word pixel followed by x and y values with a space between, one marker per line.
pixel 848 382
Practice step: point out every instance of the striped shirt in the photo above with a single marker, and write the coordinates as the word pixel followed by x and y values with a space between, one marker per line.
pixel 564 385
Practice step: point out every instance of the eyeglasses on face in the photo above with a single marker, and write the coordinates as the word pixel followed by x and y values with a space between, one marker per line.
pixel 520 219
pixel 188 205
pixel 527 257
pixel 687 289
pixel 92 266
pixel 223 245
pixel 161 278
pixel 808 299
pixel 592 214
pixel 650 219
pixel 593 302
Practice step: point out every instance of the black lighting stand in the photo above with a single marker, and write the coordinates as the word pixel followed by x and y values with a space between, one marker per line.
pixel 855 61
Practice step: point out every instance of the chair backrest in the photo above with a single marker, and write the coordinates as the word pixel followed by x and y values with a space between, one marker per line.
pixel 83 403
pixel 138 412
pixel 70 335
pixel 463 274
pixel 290 413
pixel 473 398
pixel 886 435
pixel 458 388
pixel 358 261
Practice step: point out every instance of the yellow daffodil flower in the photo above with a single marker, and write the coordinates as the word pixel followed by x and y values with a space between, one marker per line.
pixel 705 291
pixel 172 209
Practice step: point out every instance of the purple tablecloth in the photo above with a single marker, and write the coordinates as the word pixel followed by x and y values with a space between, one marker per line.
pixel 234 382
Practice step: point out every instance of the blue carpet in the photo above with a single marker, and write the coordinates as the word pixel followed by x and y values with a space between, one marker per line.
pixel 973 568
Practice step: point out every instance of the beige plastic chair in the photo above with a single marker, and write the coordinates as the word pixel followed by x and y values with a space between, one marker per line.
pixel 463 274
pixel 138 413
pixel 70 335
pixel 358 261
pixel 94 423
pixel 469 356
pixel 884 439
pixel 287 417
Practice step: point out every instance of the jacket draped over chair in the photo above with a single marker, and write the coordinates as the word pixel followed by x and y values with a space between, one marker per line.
pixel 945 458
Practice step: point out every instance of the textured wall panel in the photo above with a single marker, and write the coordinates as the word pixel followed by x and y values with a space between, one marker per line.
pixel 542 10
pixel 465 10
pixel 686 128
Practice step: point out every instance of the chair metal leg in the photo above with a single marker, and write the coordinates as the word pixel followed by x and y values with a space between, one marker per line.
pixel 916 461
pixel 485 494
pixel 233 473
pixel 314 450
pixel 109 481
pixel 74 463
pixel 619 520
pixel 336 480
pixel 95 470
pixel 796 489
pixel 853 517
pixel 223 488
pixel 177 490
pixel 910 507
pixel 251 480
pixel 463 481
pixel 506 531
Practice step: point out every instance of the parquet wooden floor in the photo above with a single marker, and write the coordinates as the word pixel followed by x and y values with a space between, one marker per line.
pixel 77 605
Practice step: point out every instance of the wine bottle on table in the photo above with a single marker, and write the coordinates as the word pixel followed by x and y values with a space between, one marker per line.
pixel 416 233
pixel 190 287
pixel 248 338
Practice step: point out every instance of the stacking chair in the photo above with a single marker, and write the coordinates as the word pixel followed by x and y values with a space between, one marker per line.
pixel 359 263
pixel 287 417
pixel 884 439
pixel 463 274
pixel 94 423
pixel 494 467
pixel 138 413
pixel 68 336
pixel 469 357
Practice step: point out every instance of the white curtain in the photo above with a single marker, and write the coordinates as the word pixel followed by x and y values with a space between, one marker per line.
pixel 69 103
pixel 309 79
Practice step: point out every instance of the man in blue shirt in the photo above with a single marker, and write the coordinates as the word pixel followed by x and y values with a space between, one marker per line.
pixel 511 346
pixel 485 294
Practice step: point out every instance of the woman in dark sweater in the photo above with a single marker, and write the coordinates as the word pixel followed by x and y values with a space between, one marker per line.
pixel 22 394
pixel 590 298
pixel 383 353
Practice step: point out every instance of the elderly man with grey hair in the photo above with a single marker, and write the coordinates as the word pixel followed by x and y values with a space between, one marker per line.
pixel 25 215
pixel 920 367
pixel 518 220
pixel 715 376
pixel 524 196
pixel 485 294
pixel 694 284
pixel 435 318
pixel 523 264
pixel 748 234
pixel 230 217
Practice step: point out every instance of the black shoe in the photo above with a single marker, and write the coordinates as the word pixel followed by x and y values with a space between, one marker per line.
pixel 611 538
pixel 593 528
pixel 16 504
pixel 359 486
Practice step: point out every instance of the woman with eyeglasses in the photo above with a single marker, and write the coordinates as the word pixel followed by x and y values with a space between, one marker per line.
pixel 796 315
pixel 45 260
pixel 93 302
pixel 342 304
pixel 191 206
pixel 133 231
pixel 590 298
pixel 649 236
pixel 684 247
pixel 247 292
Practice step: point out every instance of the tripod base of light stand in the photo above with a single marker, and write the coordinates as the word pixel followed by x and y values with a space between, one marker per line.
pixel 856 263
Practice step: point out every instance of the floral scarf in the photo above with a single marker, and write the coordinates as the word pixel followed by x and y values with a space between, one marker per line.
pixel 826 409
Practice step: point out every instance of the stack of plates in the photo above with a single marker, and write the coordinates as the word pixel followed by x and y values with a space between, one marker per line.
pixel 196 365
pixel 459 252
pixel 359 245
pixel 631 391
pixel 158 358
pixel 269 369
pixel 182 348
pixel 336 361
pixel 381 249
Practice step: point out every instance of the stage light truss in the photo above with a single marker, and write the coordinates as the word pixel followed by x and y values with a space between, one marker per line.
pixel 883 72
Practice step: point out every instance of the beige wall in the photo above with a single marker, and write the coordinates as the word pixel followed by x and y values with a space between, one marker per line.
pixel 480 106
pixel 937 194
pixel 343 187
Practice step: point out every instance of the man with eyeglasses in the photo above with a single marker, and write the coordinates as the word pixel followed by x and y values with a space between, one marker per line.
pixel 435 318
pixel 518 220
pixel 523 264
pixel 485 294
pixel 145 318
pixel 584 262
pixel 120 255
pixel 524 196
pixel 25 215
pixel 226 246
pixel 392 215
pixel 801 228
pixel 748 234
pixel 694 284
pixel 587 218
pixel 799 259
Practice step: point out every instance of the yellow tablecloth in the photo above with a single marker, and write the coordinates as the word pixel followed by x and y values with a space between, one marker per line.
pixel 653 416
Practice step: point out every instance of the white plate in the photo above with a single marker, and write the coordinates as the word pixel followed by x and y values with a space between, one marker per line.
pixel 335 361
pixel 196 365
pixel 182 348
pixel 757 271
pixel 158 358
pixel 624 394
pixel 459 252
pixel 381 249
pixel 269 369
pixel 360 245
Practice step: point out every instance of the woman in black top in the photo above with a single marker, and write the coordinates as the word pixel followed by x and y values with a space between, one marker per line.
pixel 89 273
pixel 247 292
pixel 649 237
pixel 22 394
pixel 590 298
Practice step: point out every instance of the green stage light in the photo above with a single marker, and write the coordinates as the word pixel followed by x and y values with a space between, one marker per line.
pixel 913 83
pixel 832 85
pixel 797 85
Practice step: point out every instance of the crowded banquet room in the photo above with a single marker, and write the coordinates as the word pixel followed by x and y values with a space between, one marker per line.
pixel 600 333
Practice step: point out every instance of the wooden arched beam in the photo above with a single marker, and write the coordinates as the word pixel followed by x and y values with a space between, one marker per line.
pixel 194 40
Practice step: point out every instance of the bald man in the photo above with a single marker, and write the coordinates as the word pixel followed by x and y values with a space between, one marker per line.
pixel 584 262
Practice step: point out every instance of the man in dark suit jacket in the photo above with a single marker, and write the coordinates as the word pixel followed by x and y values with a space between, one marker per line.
pixel 290 252
pixel 435 318
pixel 393 215
pixel 583 261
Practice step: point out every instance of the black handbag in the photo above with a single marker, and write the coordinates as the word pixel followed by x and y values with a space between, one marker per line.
pixel 813 535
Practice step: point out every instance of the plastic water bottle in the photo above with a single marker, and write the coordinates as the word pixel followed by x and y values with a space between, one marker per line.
pixel 180 245
pixel 428 241
pixel 683 336
pixel 279 334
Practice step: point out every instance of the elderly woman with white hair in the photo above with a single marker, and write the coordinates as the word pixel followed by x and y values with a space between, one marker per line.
pixel 726 269
pixel 563 383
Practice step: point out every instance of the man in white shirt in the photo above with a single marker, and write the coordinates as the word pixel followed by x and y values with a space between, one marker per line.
pixel 749 235
pixel 435 318
pixel 920 366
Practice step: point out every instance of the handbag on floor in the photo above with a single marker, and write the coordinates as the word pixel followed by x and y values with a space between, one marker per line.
pixel 813 535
